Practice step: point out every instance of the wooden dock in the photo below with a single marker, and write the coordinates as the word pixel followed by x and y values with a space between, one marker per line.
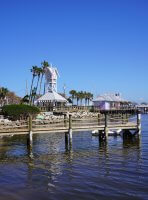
pixel 101 124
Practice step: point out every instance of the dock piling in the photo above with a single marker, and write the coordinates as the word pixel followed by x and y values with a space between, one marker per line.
pixel 70 127
pixel 98 118
pixel 30 138
pixel 139 123
pixel 66 140
pixel 106 126
pixel 68 135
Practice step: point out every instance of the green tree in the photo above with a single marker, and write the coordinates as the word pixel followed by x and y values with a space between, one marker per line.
pixel 81 96
pixel 38 74
pixel 15 112
pixel 34 74
pixel 33 94
pixel 89 97
pixel 85 97
pixel 25 99
pixel 73 95
pixel 3 94
pixel 77 97
pixel 44 64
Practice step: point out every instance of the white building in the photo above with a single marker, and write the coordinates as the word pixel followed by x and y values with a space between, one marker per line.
pixel 51 98
pixel 110 101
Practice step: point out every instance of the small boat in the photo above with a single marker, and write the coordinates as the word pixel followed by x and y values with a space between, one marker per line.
pixel 95 132
pixel 112 132
pixel 115 132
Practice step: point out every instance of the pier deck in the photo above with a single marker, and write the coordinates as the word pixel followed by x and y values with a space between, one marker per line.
pixel 61 127
pixel 102 124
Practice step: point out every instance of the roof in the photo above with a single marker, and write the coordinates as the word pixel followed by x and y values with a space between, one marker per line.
pixel 51 97
pixel 109 97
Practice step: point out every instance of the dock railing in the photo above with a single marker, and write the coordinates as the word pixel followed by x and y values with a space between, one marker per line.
pixel 85 108
pixel 101 121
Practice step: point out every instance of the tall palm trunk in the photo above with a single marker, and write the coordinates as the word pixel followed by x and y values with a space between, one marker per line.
pixel 73 97
pixel 41 84
pixel 72 100
pixel 36 89
pixel 85 101
pixel 88 101
pixel 37 83
pixel 81 101
pixel 77 101
pixel 44 88
pixel 30 97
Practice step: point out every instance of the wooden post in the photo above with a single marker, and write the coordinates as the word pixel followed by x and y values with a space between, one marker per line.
pixel 106 126
pixel 126 117
pixel 30 129
pixel 122 118
pixel 70 126
pixel 138 122
pixel 98 118
pixel 66 140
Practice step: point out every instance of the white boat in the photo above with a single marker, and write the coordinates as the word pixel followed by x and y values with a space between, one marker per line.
pixel 111 132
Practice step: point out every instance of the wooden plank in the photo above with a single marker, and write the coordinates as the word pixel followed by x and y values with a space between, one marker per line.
pixel 79 127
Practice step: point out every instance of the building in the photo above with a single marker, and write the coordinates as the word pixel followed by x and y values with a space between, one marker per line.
pixel 51 98
pixel 110 101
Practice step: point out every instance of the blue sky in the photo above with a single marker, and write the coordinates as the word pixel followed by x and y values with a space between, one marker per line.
pixel 98 45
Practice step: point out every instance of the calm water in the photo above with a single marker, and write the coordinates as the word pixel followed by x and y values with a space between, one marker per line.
pixel 118 170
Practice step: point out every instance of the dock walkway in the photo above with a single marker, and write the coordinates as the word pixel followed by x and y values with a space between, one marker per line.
pixel 101 124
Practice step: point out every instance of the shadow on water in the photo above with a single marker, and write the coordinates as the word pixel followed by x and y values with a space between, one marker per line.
pixel 132 141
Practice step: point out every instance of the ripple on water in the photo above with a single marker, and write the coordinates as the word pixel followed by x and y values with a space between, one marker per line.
pixel 88 170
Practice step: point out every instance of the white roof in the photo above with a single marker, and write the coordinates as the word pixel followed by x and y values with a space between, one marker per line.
pixel 109 97
pixel 52 97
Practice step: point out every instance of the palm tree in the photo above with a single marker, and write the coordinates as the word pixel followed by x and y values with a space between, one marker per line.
pixel 3 94
pixel 38 72
pixel 73 95
pixel 81 96
pixel 25 99
pixel 44 64
pixel 42 74
pixel 90 97
pixel 34 73
pixel 78 96
pixel 33 95
pixel 85 97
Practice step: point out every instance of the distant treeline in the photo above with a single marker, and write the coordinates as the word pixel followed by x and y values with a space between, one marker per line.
pixel 80 96
pixel 8 97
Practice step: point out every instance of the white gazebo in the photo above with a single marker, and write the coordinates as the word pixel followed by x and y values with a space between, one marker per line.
pixel 51 98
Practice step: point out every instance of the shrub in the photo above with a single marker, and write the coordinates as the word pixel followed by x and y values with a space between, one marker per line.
pixel 20 111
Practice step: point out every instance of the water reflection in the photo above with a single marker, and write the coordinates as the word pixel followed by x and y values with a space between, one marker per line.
pixel 30 151
pixel 133 141
pixel 84 167
pixel 132 149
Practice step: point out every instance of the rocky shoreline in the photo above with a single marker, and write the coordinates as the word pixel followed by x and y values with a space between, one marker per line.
pixel 48 118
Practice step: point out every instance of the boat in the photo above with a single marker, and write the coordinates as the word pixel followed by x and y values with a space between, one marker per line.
pixel 111 132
